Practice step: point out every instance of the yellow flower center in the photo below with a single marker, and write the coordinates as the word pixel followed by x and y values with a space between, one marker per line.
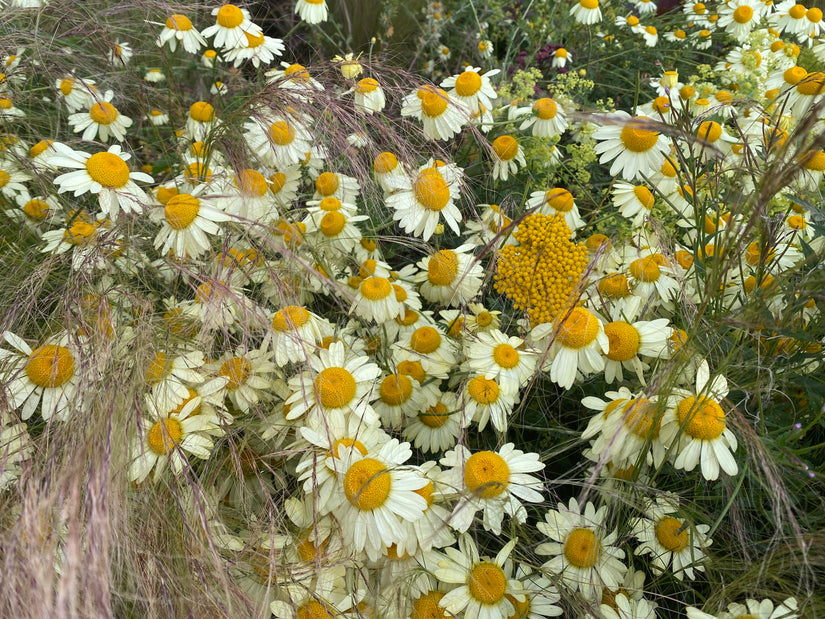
pixel 486 474
pixel 743 14
pixel 335 387
pixel 366 85
pixel 278 180
pixel 108 169
pixel 201 112
pixel 164 435
pixel 103 113
pixel 701 417
pixel 644 195
pixel 814 15
pixel 79 233
pixel 589 4
pixel 313 609
pixel 640 418
pixel 483 319
pixel 636 138
pixel 427 607
pixel 413 369
pixel 178 22
pixel 50 366
pixel 367 484
pixel 230 16
pixel 237 370
pixel 672 534
pixel 251 182
pixel 66 86
pixel 181 210
pixel 376 288
pixel 40 147
pixel 505 356
pixel 290 318
pixel 433 101
pixel 560 199
pixel 467 84
pixel 487 583
pixel 614 286
pixel 435 416
pixel 797 222
pixel 327 183
pixel 521 610
pixel 709 131
pixel 410 317
pixel 545 109
pixel 425 340
pixel 624 340
pixel 400 293
pixel 505 147
pixel 395 389
pixel 578 329
pixel 814 160
pixel 813 84
pixel 582 548
pixel 384 162
pixel 35 209
pixel 332 224
pixel 645 269
pixel 633 21
pixel 431 190
pixel 797 11
pixel 483 390
pixel 442 267
pixel 281 133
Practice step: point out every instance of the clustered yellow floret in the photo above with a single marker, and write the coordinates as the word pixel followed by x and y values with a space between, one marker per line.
pixel 541 273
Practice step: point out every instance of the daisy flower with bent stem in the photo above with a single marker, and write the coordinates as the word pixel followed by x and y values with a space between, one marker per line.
pixel 491 482
pixel 694 427
pixel 486 589
pixel 105 174
pixel 582 550
pixel 179 28
pixel 507 155
pixel 633 145
pixel 670 541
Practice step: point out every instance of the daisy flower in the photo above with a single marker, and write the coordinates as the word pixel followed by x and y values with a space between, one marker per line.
pixel 47 374
pixel 495 483
pixel 472 89
pixel 547 119
pixel 154 76
pixel 340 383
pixel 694 427
pixel 158 118
pixel 578 345
pixel 628 608
pixel 752 608
pixel 295 334
pixel 186 222
pixel 507 156
pixel 293 77
pixel 633 201
pixel 376 300
pixel 486 589
pixel 633 145
pixel 441 115
pixel 279 141
pixel 420 204
pixel 561 56
pixel 164 438
pixel 485 48
pixel 369 96
pixel 259 49
pixel 15 447
pixel 652 279
pixel 8 109
pixel 120 54
pixel 628 341
pixel 739 17
pixel 380 494
pixel 450 277
pixel 670 541
pixel 284 184
pixel 485 398
pixel 76 93
pixel 312 11
pixel 170 376
pixel 499 357
pixel 178 29
pixel 583 552
pixel 105 174
pixel 248 376
pixel 586 12
pixel 12 179
pixel 401 395
pixel 557 200
pixel 436 429
pixel 231 24
pixel 102 119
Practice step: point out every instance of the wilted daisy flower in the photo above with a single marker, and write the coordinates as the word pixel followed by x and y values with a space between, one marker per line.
pixel 178 28
pixel 561 56
pixel 422 202
pixel 694 427
pixel 186 222
pixel 451 277
pixel 752 608
pixel 76 93
pixel 15 447
pixel 231 23
pixel 586 12
pixel 671 542
pixel 259 49
pixel 485 587
pixel 633 144
pixel 376 300
pixel 472 89
pixel 49 373
pixel 380 494
pixel 248 374
pixel 442 117
pixel 8 109
pixel 507 156
pixel 103 119
pixel 495 483
pixel 105 174
pixel 582 550
pixel 165 438
pixel 120 54
pixel 369 96
pixel 312 11
pixel 485 48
